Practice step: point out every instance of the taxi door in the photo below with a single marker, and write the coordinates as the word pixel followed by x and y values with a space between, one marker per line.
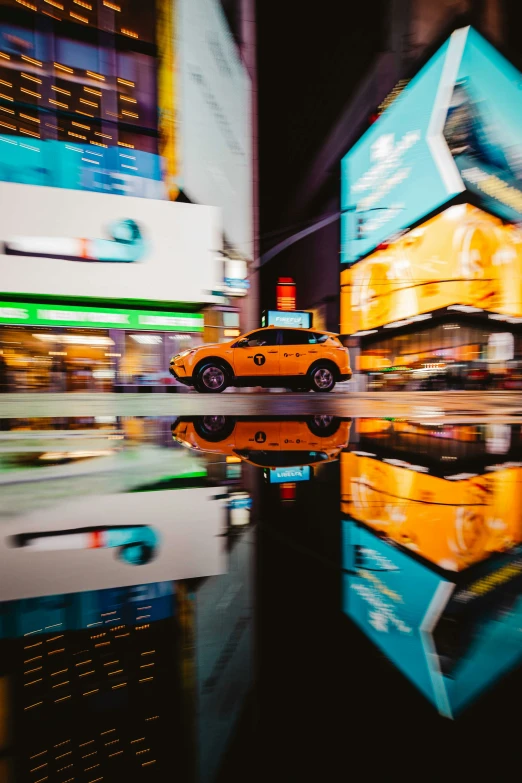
pixel 259 356
pixel 297 354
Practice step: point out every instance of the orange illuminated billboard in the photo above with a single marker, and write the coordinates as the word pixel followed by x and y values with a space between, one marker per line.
pixel 462 258
pixel 451 523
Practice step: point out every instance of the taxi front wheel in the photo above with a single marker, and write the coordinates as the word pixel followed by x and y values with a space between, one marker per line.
pixel 322 378
pixel 211 378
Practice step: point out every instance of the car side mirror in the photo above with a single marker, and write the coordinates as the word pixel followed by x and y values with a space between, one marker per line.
pixel 243 343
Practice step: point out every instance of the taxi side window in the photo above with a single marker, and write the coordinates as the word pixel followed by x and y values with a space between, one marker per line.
pixel 297 337
pixel 263 337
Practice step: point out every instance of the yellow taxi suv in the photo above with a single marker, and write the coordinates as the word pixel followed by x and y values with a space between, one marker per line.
pixel 298 359
pixel 266 442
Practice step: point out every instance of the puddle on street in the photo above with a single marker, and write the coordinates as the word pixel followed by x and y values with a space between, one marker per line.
pixel 178 593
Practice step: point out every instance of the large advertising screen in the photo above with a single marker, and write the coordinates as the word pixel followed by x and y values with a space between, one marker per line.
pixel 101 541
pixel 388 595
pixel 214 118
pixel 449 646
pixel 90 245
pixel 455 127
pixel 461 258
pixel 452 522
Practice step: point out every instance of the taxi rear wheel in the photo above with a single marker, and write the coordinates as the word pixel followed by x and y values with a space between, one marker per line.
pixel 211 378
pixel 322 377
pixel 323 426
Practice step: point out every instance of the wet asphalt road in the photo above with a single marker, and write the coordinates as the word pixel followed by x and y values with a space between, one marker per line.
pixel 461 405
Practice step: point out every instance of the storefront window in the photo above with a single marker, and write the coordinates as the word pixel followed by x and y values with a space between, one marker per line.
pixel 459 351
pixel 39 359
pixel 147 355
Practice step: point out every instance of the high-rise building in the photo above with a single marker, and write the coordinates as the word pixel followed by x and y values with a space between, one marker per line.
pixel 127 147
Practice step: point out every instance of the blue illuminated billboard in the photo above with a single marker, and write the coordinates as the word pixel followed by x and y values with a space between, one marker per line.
pixel 283 475
pixel 388 594
pixel 296 319
pixel 452 643
pixel 60 164
pixel 455 127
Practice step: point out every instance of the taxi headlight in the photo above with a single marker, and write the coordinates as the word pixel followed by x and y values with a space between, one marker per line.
pixel 182 354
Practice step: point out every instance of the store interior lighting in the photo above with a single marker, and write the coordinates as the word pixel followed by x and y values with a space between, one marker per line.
pixel 147 339
pixel 74 339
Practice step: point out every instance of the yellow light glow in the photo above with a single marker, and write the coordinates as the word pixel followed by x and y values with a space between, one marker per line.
pixel 128 32
pixel 56 5
pixel 6 84
pixel 27 5
pixel 79 125
pixel 5 97
pixel 93 92
pixel 31 78
pixel 99 144
pixel 130 113
pixel 89 103
pixel 83 5
pixel 63 68
pixel 30 133
pixel 30 92
pixel 8 111
pixel 28 117
pixel 60 89
pixel 103 135
pixel 129 100
pixel 31 60
pixel 7 125
pixel 111 5
pixel 57 103
pixel 95 75
pixel 5 56
pixel 125 81
pixel 78 17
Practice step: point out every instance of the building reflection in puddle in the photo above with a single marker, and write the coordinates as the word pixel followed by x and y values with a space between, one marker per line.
pixel 127 575
pixel 432 554
pixel 126 621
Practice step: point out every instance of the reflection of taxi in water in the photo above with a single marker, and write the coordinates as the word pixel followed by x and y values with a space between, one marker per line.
pixel 267 443
pixel 301 359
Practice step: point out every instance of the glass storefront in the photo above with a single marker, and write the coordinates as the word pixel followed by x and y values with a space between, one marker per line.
pixel 452 351
pixel 50 359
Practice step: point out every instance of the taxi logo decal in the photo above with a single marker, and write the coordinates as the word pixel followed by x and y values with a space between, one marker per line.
pixel 260 437
pixel 259 359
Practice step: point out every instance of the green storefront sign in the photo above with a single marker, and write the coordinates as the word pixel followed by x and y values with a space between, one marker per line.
pixel 98 317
